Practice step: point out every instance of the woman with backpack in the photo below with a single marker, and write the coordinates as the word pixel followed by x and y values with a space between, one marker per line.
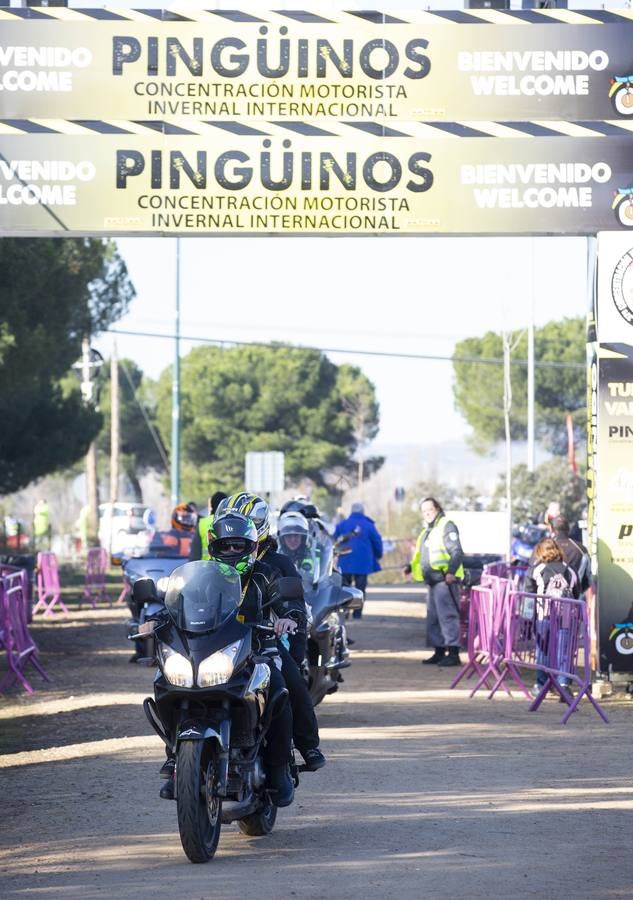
pixel 549 575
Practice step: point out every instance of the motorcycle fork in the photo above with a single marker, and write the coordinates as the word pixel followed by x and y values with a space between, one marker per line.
pixel 225 751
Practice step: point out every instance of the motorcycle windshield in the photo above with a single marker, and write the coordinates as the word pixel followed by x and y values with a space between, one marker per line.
pixel 202 595
pixel 309 567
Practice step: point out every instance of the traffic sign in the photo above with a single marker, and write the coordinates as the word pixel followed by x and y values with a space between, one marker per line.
pixel 264 472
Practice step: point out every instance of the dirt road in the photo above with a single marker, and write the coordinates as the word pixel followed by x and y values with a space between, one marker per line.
pixel 426 793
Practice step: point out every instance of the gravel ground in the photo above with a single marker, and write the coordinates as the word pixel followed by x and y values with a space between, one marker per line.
pixel 426 792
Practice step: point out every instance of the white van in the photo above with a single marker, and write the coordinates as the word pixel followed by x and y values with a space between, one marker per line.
pixel 122 525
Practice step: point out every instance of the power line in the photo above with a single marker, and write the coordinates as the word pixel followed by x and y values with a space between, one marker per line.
pixel 483 360
pixel 151 429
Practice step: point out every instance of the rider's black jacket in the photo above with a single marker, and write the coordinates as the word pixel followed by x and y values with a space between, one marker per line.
pixel 268 589
pixel 285 567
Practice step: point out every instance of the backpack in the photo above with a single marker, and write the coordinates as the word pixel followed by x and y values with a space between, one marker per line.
pixel 558 586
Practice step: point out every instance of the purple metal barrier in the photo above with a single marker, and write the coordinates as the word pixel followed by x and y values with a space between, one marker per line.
pixel 509 629
pixel 16 640
pixel 478 640
pixel 492 615
pixel 94 581
pixel 550 634
pixel 126 590
pixel 48 584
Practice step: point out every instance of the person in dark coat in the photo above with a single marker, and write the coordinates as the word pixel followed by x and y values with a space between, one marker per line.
pixel 365 544
pixel 574 553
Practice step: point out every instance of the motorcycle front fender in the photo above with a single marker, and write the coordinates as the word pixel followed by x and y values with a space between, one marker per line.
pixel 193 731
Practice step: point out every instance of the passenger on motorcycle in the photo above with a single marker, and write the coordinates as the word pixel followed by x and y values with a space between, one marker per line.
pixel 305 727
pixel 293 533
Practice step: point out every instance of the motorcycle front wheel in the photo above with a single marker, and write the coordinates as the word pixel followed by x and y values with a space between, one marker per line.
pixel 199 812
pixel 259 823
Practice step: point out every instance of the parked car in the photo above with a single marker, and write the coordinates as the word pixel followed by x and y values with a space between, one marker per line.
pixel 121 525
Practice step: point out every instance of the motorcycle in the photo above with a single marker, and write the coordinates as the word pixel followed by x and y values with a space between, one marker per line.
pixel 212 704
pixel 524 540
pixel 327 652
pixel 157 565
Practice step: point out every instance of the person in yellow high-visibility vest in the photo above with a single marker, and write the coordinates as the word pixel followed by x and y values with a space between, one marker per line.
pixel 42 525
pixel 200 541
pixel 438 561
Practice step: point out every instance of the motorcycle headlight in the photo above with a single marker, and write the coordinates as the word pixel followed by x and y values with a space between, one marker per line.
pixel 218 668
pixel 177 669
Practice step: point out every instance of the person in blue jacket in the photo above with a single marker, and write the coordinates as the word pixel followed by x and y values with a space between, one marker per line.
pixel 365 543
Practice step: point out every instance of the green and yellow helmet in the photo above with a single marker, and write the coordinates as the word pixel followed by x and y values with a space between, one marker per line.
pixel 233 540
pixel 249 505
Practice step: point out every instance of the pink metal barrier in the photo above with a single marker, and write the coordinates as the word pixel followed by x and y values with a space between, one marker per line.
pixel 509 630
pixel 18 644
pixel 477 637
pixel 48 589
pixel 550 634
pixel 94 581
pixel 485 646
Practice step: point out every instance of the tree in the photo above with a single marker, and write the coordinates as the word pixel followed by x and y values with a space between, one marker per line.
pixel 262 398
pixel 359 401
pixel 532 492
pixel 140 442
pixel 53 292
pixel 478 387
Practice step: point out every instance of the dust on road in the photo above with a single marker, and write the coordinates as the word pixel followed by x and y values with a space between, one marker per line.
pixel 426 793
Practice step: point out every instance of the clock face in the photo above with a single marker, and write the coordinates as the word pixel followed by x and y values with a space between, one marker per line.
pixel 622 287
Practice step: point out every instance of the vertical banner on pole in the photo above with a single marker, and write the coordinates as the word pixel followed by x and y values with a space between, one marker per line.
pixel 611 451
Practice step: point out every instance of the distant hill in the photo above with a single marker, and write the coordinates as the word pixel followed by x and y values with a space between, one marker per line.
pixel 452 462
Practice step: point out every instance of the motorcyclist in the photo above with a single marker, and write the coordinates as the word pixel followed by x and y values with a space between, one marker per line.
pixel 233 540
pixel 173 543
pixel 305 726
pixel 176 541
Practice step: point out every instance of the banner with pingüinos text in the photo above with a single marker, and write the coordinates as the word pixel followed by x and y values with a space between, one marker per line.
pixel 611 451
pixel 284 182
pixel 415 65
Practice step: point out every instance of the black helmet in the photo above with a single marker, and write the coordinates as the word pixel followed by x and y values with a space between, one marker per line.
pixel 302 505
pixel 249 505
pixel 233 540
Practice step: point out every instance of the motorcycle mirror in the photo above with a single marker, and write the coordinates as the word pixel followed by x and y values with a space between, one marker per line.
pixel 143 590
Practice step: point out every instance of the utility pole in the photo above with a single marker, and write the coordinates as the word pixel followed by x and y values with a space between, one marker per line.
pixel 507 407
pixel 175 395
pixel 114 425
pixel 530 368
pixel 87 389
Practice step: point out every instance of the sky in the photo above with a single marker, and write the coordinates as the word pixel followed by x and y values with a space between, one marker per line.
pixel 389 295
